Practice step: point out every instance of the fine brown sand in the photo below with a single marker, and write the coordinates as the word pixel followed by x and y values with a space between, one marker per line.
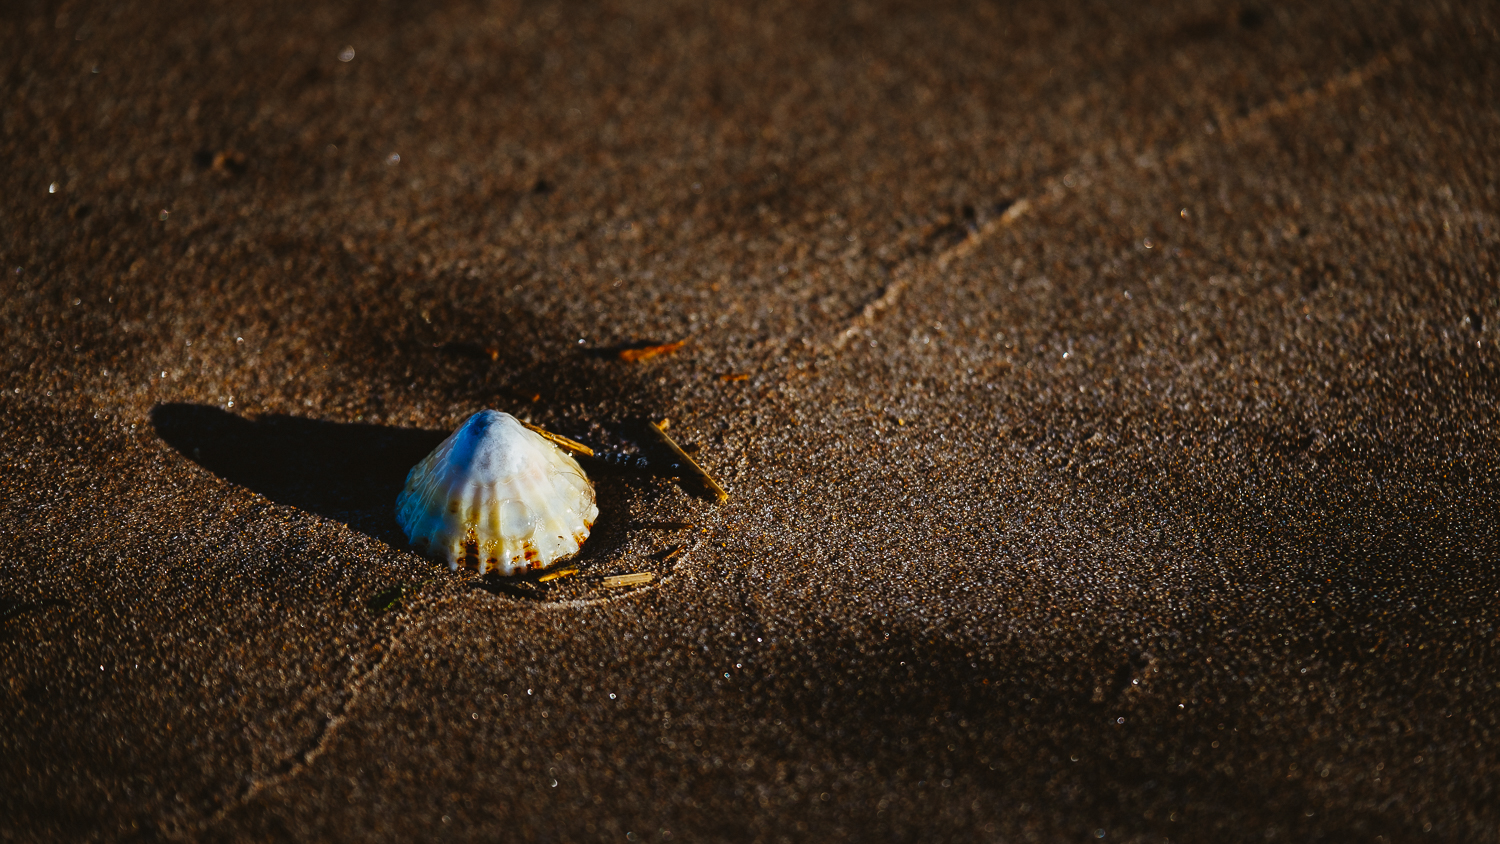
pixel 1107 398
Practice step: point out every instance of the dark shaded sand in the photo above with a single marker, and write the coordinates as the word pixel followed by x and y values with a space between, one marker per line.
pixel 1107 398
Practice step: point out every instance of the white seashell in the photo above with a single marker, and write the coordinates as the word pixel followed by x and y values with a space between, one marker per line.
pixel 497 497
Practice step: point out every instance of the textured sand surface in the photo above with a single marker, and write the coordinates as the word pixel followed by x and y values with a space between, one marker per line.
pixel 1107 398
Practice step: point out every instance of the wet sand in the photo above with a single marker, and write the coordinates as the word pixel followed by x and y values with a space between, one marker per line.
pixel 1107 401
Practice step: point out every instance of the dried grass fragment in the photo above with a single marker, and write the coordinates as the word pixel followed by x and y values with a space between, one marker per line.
pixel 637 578
pixel 688 462
pixel 561 441
pixel 648 352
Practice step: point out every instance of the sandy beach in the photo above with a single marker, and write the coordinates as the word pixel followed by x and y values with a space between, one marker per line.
pixel 1106 400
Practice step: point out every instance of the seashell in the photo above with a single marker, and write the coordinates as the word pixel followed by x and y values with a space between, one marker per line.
pixel 496 497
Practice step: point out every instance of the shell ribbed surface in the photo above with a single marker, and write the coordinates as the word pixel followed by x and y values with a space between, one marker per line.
pixel 496 497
